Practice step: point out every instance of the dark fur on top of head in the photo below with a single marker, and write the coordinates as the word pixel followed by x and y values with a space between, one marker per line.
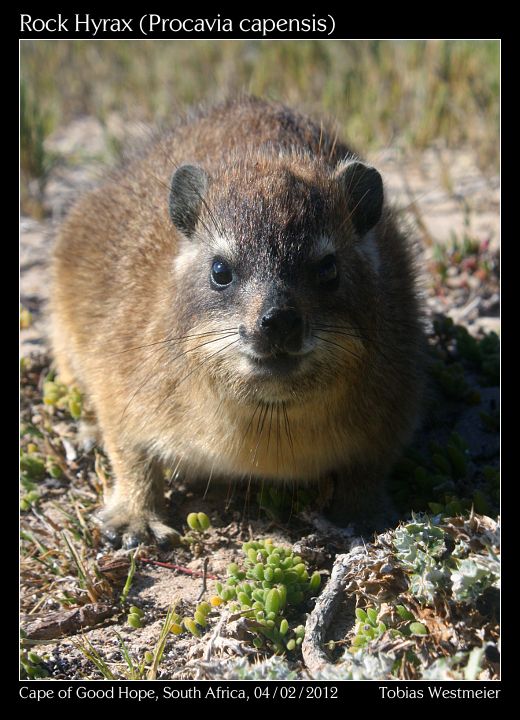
pixel 272 217
pixel 185 373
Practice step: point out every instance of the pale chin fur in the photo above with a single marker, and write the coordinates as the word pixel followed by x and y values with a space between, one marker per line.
pixel 251 355
pixel 270 388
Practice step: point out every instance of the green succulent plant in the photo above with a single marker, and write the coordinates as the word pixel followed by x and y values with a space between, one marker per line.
pixel 199 522
pixel 369 628
pixel 271 583
pixel 135 617
pixel 58 395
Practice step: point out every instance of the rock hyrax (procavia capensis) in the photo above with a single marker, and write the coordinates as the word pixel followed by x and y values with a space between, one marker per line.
pixel 237 301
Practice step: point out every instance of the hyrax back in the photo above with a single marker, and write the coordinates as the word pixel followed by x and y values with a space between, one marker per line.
pixel 237 302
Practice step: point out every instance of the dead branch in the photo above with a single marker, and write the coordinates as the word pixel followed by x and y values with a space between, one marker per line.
pixel 321 617
pixel 62 623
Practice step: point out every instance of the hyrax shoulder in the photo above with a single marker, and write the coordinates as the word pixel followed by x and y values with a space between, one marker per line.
pixel 238 302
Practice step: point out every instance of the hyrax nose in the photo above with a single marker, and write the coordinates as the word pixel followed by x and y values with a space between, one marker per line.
pixel 283 327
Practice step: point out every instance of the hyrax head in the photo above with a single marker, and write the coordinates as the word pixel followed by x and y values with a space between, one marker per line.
pixel 278 266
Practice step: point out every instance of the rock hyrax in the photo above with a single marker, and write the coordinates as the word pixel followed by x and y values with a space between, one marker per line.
pixel 238 302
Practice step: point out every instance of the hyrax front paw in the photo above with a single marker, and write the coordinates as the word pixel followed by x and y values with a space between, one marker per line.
pixel 126 529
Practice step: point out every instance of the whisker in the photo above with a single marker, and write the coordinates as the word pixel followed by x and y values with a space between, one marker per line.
pixel 175 339
pixel 145 382
pixel 375 342
pixel 209 482
pixel 208 342
pixel 262 488
pixel 381 321
pixel 277 436
pixel 207 358
pixel 260 429
pixel 375 346
pixel 215 415
pixel 342 347
pixel 174 470
pixel 245 511
pixel 288 429
pixel 151 375
pixel 333 353
pixel 244 436
pixel 230 492
pixel 334 331
pixel 167 187
pixel 270 424
pixel 219 227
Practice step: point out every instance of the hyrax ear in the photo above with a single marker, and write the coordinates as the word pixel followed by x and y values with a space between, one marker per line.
pixel 188 187
pixel 364 189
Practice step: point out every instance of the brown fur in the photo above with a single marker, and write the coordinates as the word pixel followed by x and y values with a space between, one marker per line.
pixel 128 288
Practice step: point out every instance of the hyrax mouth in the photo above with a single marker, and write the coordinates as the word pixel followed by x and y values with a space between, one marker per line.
pixel 275 365
pixel 274 346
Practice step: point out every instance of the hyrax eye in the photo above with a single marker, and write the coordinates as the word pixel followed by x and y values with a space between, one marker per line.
pixel 221 274
pixel 327 270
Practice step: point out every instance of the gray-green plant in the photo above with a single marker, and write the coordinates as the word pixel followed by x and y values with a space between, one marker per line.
pixel 381 665
pixel 460 666
pixel 437 569
pixel 271 668
pixel 473 576
pixel 419 547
